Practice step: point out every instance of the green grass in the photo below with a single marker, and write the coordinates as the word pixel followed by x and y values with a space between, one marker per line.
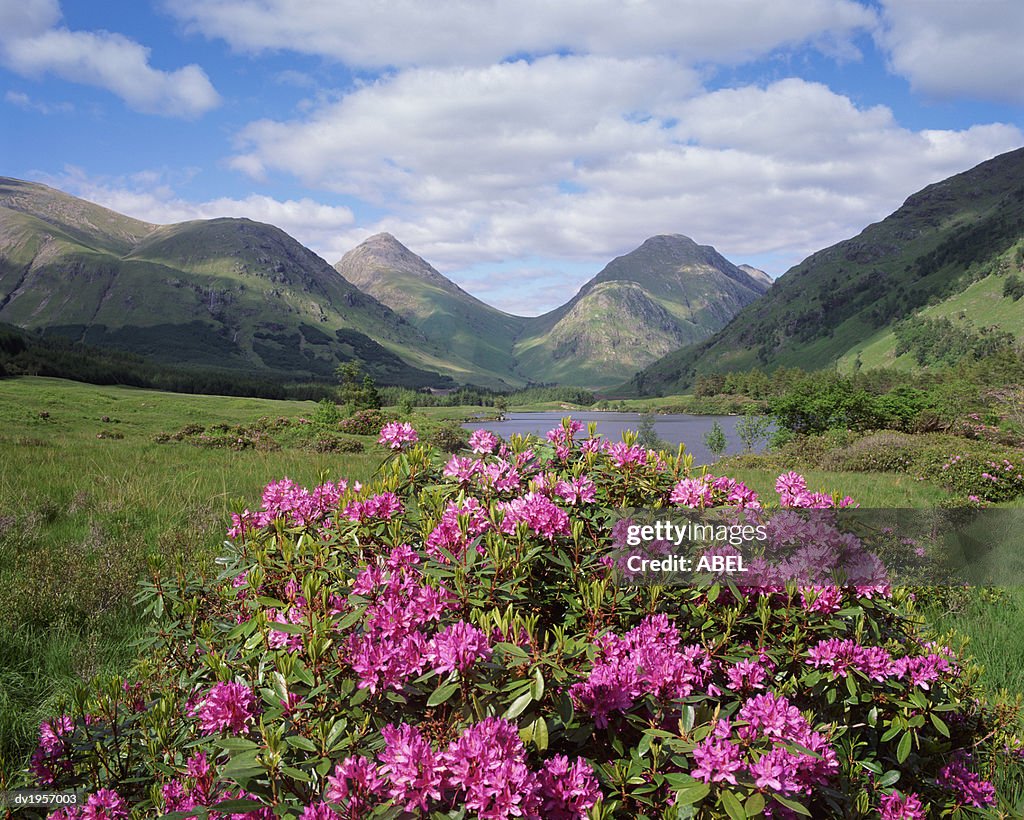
pixel 982 304
pixel 81 516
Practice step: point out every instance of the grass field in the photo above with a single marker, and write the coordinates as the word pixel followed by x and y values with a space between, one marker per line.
pixel 80 516
pixel 83 511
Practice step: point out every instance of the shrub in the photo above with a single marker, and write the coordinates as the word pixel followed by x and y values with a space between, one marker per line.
pixel 884 452
pixel 448 438
pixel 451 643
pixel 326 443
pixel 364 423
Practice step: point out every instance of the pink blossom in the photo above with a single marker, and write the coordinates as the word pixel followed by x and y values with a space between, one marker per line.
pixel 896 807
pixel 488 761
pixel 354 786
pixel 396 434
pixel 414 773
pixel 539 514
pixel 105 804
pixel 968 786
pixel 483 442
pixel 567 790
pixel 457 647
pixel 580 490
pixel 717 759
pixel 228 707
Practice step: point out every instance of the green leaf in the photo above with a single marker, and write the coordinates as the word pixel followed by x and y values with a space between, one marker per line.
pixel 518 706
pixel 792 805
pixel 754 805
pixel 692 794
pixel 540 734
pixel 300 742
pixel 939 724
pixel 538 684
pixel 291 629
pixel 238 806
pixel 442 693
pixel 732 805
pixel 890 778
pixel 235 744
pixel 903 750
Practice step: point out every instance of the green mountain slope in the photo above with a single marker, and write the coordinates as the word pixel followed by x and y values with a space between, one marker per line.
pixel 225 292
pixel 466 328
pixel 838 299
pixel 667 293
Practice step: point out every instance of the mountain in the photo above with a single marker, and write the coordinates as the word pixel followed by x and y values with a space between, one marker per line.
pixel 244 296
pixel 667 293
pixel 229 293
pixel 756 273
pixel 849 296
pixel 469 329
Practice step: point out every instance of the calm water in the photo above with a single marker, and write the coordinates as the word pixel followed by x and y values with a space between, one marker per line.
pixel 675 429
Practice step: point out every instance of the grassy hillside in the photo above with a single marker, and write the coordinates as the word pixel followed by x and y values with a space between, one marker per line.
pixel 469 330
pixel 224 292
pixel 667 293
pixel 829 304
pixel 981 305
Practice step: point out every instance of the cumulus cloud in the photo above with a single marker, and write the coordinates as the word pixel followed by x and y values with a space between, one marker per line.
pixel 583 157
pixel 402 33
pixel 150 196
pixel 33 44
pixel 957 50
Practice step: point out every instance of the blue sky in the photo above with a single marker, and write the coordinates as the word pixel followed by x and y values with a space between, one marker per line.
pixel 517 145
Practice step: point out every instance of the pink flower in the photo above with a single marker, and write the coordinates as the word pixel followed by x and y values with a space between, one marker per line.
pixel 105 804
pixel 968 786
pixel 396 434
pixel 567 790
pixel 896 807
pixel 414 772
pixel 717 759
pixel 538 512
pixel 483 442
pixel 488 761
pixel 228 707
pixel 355 785
pixel 458 646
pixel 579 490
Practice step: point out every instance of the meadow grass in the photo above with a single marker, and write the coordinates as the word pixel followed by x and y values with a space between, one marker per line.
pixel 81 516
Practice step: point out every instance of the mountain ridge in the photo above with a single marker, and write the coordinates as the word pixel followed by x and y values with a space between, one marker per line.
pixel 821 309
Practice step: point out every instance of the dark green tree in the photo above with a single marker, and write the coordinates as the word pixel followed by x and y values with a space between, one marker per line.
pixel 357 388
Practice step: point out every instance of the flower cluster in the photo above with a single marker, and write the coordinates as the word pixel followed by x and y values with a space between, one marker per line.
pixel 228 707
pixel 647 660
pixel 484 769
pixel 397 434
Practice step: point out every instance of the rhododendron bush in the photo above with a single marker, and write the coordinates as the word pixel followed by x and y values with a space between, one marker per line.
pixel 450 642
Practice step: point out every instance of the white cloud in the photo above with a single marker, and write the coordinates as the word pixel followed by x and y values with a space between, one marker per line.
pixel 23 100
pixel 446 136
pixel 31 44
pixel 402 33
pixel 150 196
pixel 582 158
pixel 957 49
